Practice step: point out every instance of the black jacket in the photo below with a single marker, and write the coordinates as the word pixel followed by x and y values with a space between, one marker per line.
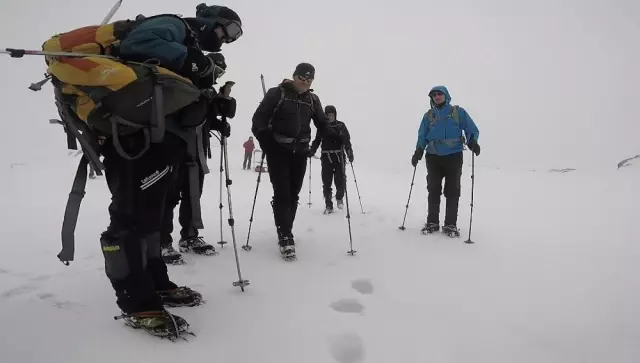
pixel 290 124
pixel 334 142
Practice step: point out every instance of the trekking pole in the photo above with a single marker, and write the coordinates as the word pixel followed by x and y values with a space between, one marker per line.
pixel 309 204
pixel 346 196
pixel 222 242
pixel 223 143
pixel 410 190
pixel 357 189
pixel 37 86
pixel 247 246
pixel 473 163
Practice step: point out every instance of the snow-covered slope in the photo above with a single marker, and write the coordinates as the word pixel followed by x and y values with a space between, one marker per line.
pixel 552 276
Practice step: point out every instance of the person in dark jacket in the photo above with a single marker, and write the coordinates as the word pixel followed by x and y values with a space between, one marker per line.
pixel 333 159
pixel 222 104
pixel 141 187
pixel 441 134
pixel 282 126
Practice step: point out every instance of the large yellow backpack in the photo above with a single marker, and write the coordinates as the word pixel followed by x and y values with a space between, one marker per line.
pixel 101 98
pixel 112 96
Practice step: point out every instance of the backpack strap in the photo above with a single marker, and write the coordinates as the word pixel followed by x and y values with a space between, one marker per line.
pixel 277 107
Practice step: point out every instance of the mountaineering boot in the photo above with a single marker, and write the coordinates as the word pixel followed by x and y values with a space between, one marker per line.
pixel 180 296
pixel 159 323
pixel 171 256
pixel 328 207
pixel 197 245
pixel 430 227
pixel 287 246
pixel 451 231
pixel 340 203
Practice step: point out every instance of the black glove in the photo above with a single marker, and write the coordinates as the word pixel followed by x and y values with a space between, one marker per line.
pixel 312 152
pixel 198 68
pixel 417 156
pixel 226 129
pixel 350 155
pixel 224 106
pixel 473 146
pixel 216 124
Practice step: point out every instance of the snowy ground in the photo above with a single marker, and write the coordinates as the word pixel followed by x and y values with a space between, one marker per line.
pixel 552 276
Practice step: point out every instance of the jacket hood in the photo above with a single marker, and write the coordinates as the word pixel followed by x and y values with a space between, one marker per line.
pixel 443 89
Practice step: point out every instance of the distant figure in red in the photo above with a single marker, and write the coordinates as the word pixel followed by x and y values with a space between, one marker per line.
pixel 248 151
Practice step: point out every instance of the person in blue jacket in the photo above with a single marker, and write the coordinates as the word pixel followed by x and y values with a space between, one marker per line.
pixel 140 188
pixel 441 135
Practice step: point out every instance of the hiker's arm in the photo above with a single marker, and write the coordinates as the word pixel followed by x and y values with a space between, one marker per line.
pixel 260 120
pixel 316 143
pixel 466 122
pixel 422 133
pixel 319 118
pixel 346 137
pixel 160 39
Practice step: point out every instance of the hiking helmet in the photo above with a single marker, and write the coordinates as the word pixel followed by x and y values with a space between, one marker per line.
pixel 331 109
pixel 209 18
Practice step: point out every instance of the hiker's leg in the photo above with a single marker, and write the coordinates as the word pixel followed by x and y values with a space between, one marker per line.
pixel 339 177
pixel 297 173
pixel 453 173
pixel 327 179
pixel 435 173
pixel 139 191
pixel 279 168
pixel 186 212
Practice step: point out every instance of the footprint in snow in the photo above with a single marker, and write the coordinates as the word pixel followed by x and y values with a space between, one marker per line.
pixel 346 348
pixel 363 286
pixel 347 306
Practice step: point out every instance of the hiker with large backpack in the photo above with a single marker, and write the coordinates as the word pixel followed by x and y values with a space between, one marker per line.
pixel 141 111
pixel 333 156
pixel 441 134
pixel 222 104
pixel 282 126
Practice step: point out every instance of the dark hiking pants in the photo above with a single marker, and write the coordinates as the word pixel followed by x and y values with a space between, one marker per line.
pixel 449 168
pixel 246 164
pixel 286 172
pixel 181 193
pixel 131 244
pixel 332 171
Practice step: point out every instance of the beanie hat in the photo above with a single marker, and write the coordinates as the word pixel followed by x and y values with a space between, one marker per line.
pixel 216 12
pixel 305 70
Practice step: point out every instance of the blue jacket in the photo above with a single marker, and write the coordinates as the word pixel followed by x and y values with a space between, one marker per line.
pixel 439 138
pixel 162 38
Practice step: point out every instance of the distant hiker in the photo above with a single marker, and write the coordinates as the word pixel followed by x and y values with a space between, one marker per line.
pixel 281 124
pixel 441 133
pixel 184 192
pixel 333 158
pixel 248 146
pixel 143 152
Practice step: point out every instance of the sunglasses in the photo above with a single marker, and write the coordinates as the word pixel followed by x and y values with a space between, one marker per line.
pixel 305 79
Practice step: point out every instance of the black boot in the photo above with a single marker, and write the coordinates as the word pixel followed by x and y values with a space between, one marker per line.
pixel 328 209
pixel 287 245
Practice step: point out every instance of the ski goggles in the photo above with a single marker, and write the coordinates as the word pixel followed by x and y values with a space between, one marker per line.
pixel 218 71
pixel 232 30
